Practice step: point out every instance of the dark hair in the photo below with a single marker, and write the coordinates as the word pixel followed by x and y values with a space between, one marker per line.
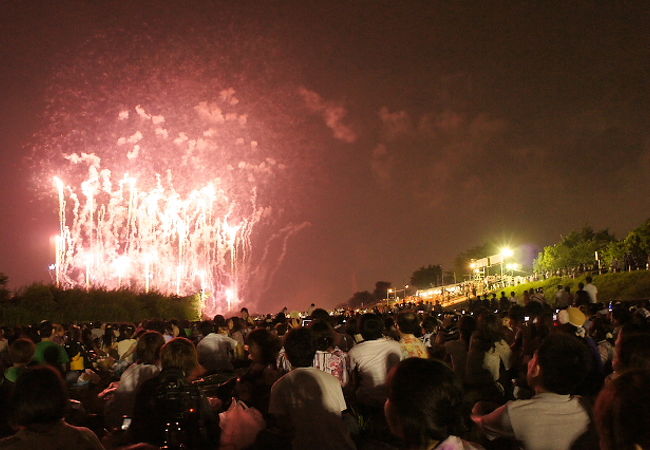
pixel 623 412
pixel 206 327
pixel 320 314
pixel 238 324
pixel 322 335
pixel 430 324
pixel 39 397
pixel 244 309
pixel 45 329
pixel 269 344
pixel 370 326
pixel 299 347
pixel 466 326
pixel 427 398
pixel 147 350
pixel 565 361
pixel 220 321
pixel 407 322
pixel 589 279
pixel 179 353
pixel 633 350
pixel 489 331
pixel 21 351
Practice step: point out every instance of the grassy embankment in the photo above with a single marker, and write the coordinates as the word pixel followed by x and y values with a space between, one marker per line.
pixel 623 286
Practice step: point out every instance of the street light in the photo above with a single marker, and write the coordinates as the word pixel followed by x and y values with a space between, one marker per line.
pixel 506 252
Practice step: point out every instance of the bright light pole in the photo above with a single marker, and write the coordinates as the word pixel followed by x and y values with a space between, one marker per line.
pixel 505 253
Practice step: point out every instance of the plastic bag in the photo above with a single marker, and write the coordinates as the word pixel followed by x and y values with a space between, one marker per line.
pixel 240 426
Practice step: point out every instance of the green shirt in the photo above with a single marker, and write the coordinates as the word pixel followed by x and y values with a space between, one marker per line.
pixel 12 373
pixel 41 347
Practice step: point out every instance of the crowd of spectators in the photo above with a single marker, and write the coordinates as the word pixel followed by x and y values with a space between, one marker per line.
pixel 505 372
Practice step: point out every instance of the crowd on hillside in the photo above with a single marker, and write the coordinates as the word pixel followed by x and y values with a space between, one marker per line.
pixel 512 373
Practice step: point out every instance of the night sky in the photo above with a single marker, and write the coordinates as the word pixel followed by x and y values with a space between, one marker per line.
pixel 410 131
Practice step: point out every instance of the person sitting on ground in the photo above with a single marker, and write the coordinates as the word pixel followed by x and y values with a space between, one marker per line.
pixel 342 339
pixel 623 412
pixel 46 333
pixel 407 326
pixel 38 405
pixel 425 407
pixel 329 358
pixel 371 360
pixel 169 409
pixel 21 352
pixel 456 349
pixel 216 350
pixel 147 357
pixel 254 386
pixel 555 371
pixel 307 403
pixel 125 342
pixel 487 352
pixel 430 326
pixel 631 349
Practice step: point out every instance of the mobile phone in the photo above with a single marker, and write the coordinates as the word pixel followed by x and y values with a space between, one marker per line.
pixel 554 316
pixel 306 322
pixel 527 318
pixel 126 423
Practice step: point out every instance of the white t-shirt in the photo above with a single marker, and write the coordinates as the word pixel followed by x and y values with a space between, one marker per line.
pixel 216 351
pixel 124 346
pixel 373 360
pixel 592 290
pixel 312 401
pixel 546 421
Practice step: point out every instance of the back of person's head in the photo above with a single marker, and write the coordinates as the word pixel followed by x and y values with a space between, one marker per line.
pixel 322 334
pixel 320 314
pixel 489 331
pixel 179 353
pixel 632 349
pixel 516 313
pixel 126 331
pixel 425 402
pixel 236 324
pixel 21 351
pixel 430 324
pixel 206 327
pixel 621 314
pixel 220 322
pixel 371 326
pixel 45 329
pixel 564 361
pixel 268 345
pixel 623 412
pixel 588 279
pixel 147 349
pixel 39 397
pixel 299 347
pixel 408 322
pixel 466 326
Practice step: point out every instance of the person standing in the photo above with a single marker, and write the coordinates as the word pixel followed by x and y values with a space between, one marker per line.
pixel 591 289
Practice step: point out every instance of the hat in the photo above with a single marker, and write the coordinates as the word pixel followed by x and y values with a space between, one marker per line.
pixel 573 316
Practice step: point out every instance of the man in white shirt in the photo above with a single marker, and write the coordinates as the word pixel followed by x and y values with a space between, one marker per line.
pixel 371 360
pixel 552 419
pixel 592 290
pixel 307 403
pixel 216 350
